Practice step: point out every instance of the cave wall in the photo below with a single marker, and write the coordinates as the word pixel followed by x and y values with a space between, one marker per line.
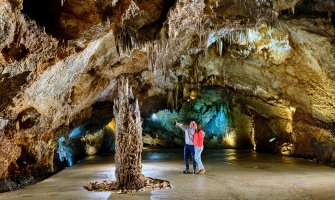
pixel 208 108
pixel 276 56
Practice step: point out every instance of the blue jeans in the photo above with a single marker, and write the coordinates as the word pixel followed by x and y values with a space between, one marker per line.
pixel 198 151
pixel 187 150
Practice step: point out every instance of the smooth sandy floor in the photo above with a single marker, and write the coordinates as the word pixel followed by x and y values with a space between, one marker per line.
pixel 231 175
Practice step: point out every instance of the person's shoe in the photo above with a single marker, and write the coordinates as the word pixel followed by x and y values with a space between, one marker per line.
pixel 186 172
pixel 196 172
pixel 203 171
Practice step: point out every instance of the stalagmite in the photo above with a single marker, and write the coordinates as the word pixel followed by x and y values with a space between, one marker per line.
pixel 128 146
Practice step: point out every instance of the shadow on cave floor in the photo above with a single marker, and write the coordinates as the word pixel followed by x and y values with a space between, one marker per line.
pixel 232 174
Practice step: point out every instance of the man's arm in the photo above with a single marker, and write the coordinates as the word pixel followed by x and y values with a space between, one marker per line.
pixel 181 126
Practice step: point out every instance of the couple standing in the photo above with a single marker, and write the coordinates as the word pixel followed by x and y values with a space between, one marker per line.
pixel 194 145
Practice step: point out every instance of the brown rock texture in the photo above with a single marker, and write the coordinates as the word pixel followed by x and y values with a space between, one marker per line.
pixel 276 57
pixel 128 140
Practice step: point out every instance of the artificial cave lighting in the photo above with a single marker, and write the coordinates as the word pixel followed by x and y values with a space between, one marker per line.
pixel 91 150
pixel 230 139
pixel 292 109
pixel 112 125
pixel 77 132
pixel 65 152
pixel 193 94
pixel 154 116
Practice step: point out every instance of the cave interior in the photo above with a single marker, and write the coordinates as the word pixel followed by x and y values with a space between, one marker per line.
pixel 257 75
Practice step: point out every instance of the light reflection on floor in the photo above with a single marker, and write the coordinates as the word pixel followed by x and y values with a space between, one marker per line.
pixel 231 175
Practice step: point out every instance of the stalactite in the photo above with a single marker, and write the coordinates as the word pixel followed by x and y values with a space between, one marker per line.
pixel 132 11
pixel 114 2
pixel 220 46
pixel 126 42
pixel 292 9
pixel 176 96
pixel 253 137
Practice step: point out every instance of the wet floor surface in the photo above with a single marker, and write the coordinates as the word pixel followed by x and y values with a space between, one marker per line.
pixel 231 175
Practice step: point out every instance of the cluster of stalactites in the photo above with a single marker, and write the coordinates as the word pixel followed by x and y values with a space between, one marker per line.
pixel 162 53
pixel 126 42
pixel 132 11
pixel 225 38
pixel 125 39
pixel 158 55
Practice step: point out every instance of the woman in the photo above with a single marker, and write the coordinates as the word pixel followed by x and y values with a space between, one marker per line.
pixel 198 148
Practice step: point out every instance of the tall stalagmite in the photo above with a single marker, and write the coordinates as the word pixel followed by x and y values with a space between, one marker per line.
pixel 128 148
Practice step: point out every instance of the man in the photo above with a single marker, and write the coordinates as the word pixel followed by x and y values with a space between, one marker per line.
pixel 189 146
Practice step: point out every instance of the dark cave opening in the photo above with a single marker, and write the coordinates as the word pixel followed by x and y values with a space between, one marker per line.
pixel 17 52
pixel 263 135
pixel 25 159
pixel 92 136
pixel 46 13
pixel 156 26
pixel 10 87
pixel 28 118
pixel 310 8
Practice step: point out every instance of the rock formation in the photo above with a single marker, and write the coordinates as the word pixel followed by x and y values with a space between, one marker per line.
pixel 128 146
pixel 58 58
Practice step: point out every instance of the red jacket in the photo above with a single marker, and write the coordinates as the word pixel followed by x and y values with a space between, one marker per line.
pixel 198 138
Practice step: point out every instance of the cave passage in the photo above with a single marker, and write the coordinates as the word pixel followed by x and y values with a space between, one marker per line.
pixel 209 107
pixel 92 136
pixel 226 125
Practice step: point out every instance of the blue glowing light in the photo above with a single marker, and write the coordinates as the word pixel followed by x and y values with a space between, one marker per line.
pixel 154 116
pixel 70 162
pixel 218 124
pixel 65 152
pixel 272 139
pixel 77 132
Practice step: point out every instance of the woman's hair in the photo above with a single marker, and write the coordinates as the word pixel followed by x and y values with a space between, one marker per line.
pixel 193 124
pixel 199 127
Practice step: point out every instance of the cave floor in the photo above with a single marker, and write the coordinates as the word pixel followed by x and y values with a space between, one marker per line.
pixel 231 174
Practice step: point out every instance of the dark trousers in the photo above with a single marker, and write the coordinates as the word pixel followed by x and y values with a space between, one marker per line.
pixel 189 149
